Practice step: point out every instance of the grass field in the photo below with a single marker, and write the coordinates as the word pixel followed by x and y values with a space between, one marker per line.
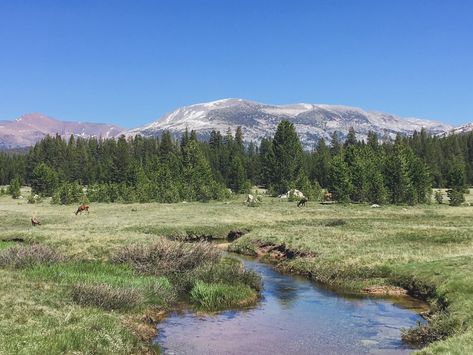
pixel 426 249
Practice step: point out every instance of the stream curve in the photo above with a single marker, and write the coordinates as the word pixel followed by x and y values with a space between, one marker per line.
pixel 295 316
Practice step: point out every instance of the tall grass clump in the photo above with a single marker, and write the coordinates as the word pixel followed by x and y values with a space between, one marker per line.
pixel 166 257
pixel 28 255
pixel 217 296
pixel 105 296
pixel 230 271
pixel 439 327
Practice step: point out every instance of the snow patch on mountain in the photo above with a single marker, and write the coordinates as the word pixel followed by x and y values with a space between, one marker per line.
pixel 459 130
pixel 258 120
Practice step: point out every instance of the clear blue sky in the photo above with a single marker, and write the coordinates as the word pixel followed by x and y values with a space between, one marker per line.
pixel 129 62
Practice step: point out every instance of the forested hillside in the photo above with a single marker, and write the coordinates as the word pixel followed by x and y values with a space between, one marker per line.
pixel 164 170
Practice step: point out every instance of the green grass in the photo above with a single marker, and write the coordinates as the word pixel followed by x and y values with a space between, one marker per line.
pixel 219 296
pixel 428 249
pixel 4 245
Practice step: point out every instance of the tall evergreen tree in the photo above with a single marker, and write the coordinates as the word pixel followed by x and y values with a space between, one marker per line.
pixel 321 163
pixel 397 174
pixel 268 163
pixel 44 180
pixel 288 156
pixel 340 184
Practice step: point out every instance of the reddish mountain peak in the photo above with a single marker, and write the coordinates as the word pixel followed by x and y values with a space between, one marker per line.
pixel 36 117
pixel 31 127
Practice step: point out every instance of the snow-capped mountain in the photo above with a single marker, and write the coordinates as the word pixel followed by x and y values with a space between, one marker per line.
pixel 461 129
pixel 259 120
pixel 31 128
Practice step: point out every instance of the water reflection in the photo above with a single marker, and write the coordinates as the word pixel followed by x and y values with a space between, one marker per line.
pixel 294 316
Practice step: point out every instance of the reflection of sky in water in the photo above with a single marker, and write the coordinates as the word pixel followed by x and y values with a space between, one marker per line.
pixel 294 317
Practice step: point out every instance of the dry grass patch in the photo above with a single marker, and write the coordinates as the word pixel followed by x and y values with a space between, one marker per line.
pixel 167 257
pixel 105 296
pixel 28 255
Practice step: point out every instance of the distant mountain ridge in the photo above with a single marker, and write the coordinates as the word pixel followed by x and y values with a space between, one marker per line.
pixel 258 120
pixel 31 128
pixel 461 129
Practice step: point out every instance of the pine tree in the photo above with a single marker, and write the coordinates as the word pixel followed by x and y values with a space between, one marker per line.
pixel 351 138
pixel 357 164
pixel 288 157
pixel 372 141
pixel 456 180
pixel 14 189
pixel 44 180
pixel 376 191
pixel 340 184
pixel 239 138
pixel 420 178
pixel 396 174
pixel 268 163
pixel 237 175
pixel 335 143
pixel 322 159
pixel 166 146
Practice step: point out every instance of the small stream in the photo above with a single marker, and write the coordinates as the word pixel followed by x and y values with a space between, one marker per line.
pixel 295 316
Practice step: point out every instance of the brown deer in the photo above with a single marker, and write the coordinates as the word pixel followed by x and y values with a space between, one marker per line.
pixel 327 196
pixel 35 222
pixel 82 208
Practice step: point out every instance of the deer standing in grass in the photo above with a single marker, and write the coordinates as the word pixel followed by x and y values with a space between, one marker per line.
pixel 302 201
pixel 82 208
pixel 34 221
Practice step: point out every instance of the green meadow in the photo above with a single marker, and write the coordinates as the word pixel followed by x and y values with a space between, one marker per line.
pixel 96 283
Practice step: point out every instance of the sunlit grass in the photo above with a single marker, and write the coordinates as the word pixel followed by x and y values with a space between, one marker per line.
pixel 373 246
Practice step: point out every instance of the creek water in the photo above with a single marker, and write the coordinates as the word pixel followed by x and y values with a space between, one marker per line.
pixel 295 316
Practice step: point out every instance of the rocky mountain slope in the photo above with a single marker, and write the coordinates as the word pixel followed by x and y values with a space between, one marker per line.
pixel 30 128
pixel 461 129
pixel 257 120
pixel 260 120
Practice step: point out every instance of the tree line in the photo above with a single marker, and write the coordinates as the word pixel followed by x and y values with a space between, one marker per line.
pixel 138 169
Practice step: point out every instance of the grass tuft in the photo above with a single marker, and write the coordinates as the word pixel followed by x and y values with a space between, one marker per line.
pixel 439 327
pixel 28 255
pixel 214 297
pixel 105 296
pixel 232 272
pixel 167 257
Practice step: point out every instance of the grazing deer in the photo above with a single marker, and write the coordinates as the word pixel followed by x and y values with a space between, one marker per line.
pixel 34 221
pixel 82 208
pixel 327 196
pixel 302 201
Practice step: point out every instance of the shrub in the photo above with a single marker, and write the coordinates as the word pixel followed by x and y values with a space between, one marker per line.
pixel 438 197
pixel 167 257
pixel 68 193
pixel 44 180
pixel 439 327
pixel 105 296
pixel 14 188
pixel 98 193
pixel 28 255
pixel 456 197
pixel 214 297
pixel 32 198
